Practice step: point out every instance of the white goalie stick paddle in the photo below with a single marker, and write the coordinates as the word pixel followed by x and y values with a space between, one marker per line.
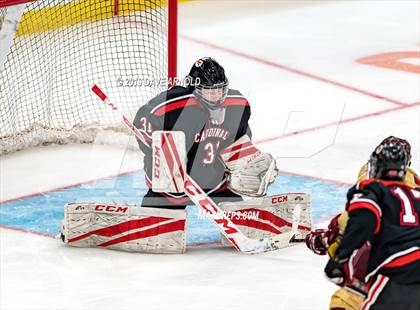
pixel 202 200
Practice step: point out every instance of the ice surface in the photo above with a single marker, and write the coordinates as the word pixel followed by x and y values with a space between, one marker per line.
pixel 258 43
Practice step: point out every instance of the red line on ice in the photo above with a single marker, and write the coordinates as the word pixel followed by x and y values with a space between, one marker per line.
pixel 65 187
pixel 337 123
pixel 26 231
pixel 292 70
pixel 339 183
pixel 349 120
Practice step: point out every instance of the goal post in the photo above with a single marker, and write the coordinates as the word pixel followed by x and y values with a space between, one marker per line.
pixel 172 40
pixel 62 47
pixel 9 19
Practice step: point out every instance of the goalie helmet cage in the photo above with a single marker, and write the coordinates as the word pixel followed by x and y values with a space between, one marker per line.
pixel 62 47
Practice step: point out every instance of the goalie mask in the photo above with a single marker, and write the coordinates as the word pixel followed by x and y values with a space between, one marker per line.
pixel 390 159
pixel 211 83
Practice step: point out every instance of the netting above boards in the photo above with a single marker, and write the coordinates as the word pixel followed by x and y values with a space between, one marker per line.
pixel 60 49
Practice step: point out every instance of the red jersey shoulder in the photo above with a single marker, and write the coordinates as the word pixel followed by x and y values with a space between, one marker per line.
pixel 366 182
pixel 385 183
pixel 235 98
pixel 174 99
pixel 179 97
pixel 175 104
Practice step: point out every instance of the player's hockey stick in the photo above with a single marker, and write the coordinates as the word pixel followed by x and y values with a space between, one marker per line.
pixel 215 214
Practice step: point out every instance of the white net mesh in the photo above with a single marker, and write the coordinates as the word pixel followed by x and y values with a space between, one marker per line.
pixel 61 49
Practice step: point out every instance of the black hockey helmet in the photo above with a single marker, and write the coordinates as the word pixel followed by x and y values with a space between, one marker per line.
pixel 390 159
pixel 210 83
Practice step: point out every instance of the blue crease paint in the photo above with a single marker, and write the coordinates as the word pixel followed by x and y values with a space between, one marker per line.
pixel 43 213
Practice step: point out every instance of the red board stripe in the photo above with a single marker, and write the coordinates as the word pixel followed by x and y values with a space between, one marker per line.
pixel 122 227
pixel 155 231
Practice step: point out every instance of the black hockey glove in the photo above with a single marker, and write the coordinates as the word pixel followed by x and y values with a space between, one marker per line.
pixel 336 272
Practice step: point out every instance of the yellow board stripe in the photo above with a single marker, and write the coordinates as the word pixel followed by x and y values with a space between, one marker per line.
pixel 82 11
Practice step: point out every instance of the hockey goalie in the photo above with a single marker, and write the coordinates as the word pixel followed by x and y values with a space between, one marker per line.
pixel 202 130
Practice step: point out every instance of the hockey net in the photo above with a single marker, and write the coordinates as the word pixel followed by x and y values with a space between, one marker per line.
pixel 61 48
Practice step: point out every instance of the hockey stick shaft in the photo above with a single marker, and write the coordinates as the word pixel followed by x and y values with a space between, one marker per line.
pixel 203 201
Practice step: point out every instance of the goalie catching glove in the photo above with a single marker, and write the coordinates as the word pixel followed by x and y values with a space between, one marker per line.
pixel 250 170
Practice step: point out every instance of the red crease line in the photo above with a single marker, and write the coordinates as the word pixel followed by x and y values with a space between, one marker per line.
pixel 56 189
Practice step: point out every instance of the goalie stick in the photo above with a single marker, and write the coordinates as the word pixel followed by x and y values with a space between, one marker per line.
pixel 211 209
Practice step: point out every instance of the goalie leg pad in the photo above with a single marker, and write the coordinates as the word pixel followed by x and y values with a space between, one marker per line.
pixel 270 216
pixel 126 228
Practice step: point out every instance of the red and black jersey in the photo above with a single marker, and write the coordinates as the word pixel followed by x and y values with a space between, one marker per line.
pixel 386 213
pixel 207 131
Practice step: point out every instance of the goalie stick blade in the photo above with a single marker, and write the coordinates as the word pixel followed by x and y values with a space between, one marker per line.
pixel 269 244
pixel 295 240
pixel 279 242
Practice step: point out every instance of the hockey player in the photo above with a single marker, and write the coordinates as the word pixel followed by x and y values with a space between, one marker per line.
pixel 214 119
pixel 377 253
pixel 202 128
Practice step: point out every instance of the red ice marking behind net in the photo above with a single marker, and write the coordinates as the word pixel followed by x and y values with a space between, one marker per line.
pixel 339 122
pixel 291 70
pixel 393 60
